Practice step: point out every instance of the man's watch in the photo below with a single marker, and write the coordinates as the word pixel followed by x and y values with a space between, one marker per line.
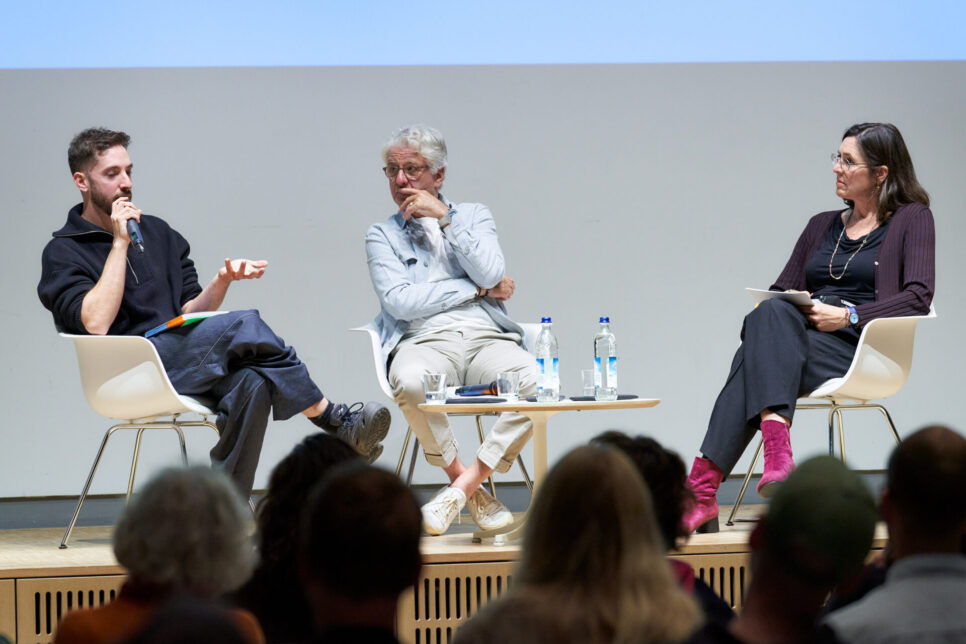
pixel 853 317
pixel 447 219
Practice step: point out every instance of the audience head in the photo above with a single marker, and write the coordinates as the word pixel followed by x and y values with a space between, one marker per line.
pixel 360 535
pixel 665 475
pixel 592 539
pixel 819 524
pixel 85 147
pixel 926 484
pixel 280 510
pixel 188 620
pixel 426 140
pixel 186 531
pixel 882 145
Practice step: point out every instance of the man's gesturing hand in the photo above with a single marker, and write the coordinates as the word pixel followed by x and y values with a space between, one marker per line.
pixel 242 269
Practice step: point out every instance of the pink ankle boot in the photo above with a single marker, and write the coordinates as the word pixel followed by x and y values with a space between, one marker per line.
pixel 704 480
pixel 778 456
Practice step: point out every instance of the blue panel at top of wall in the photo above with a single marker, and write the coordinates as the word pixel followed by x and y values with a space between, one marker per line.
pixel 216 33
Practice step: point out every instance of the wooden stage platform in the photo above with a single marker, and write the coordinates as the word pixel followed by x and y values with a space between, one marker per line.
pixel 39 582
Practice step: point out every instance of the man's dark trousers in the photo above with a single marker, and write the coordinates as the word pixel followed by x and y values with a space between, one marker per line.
pixel 237 360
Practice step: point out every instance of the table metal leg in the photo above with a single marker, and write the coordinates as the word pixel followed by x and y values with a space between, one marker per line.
pixel 539 420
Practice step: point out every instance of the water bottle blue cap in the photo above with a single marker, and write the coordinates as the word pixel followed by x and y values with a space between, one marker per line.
pixel 544 320
pixel 605 319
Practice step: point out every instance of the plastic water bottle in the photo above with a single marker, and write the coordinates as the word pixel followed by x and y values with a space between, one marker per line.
pixel 605 362
pixel 548 371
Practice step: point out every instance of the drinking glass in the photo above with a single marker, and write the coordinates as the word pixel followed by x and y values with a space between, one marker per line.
pixel 434 384
pixel 587 382
pixel 508 385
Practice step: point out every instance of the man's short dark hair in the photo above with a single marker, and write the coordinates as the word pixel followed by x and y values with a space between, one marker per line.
pixel 927 479
pixel 360 536
pixel 85 146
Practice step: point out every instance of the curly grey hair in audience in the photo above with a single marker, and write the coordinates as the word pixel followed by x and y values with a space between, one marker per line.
pixel 186 531
pixel 426 140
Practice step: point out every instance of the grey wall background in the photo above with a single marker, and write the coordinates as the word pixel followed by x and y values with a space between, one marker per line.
pixel 650 193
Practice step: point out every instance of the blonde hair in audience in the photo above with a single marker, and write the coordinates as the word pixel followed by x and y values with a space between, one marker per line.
pixel 592 546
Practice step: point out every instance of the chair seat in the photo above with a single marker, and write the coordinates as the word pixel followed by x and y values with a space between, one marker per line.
pixel 826 388
pixel 189 405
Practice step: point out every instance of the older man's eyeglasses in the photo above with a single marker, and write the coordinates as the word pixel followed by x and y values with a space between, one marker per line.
pixel 412 172
pixel 846 162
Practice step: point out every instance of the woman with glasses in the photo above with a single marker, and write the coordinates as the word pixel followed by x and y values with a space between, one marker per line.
pixel 874 259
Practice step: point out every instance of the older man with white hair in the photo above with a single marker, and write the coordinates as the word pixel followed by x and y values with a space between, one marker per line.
pixel 440 276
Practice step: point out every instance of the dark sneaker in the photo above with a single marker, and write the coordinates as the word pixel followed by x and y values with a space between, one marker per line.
pixel 362 426
pixel 374 454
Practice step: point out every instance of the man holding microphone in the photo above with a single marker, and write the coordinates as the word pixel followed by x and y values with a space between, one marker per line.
pixel 95 281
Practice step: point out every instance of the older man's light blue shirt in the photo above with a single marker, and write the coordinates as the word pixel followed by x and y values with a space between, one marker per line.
pixel 400 268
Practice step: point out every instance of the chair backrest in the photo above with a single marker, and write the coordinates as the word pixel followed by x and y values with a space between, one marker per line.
pixel 882 361
pixel 530 331
pixel 378 364
pixel 123 377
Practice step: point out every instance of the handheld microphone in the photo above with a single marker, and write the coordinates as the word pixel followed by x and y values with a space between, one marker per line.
pixel 134 232
pixel 477 390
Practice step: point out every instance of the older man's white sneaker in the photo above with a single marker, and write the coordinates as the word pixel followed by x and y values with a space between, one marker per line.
pixel 442 510
pixel 487 512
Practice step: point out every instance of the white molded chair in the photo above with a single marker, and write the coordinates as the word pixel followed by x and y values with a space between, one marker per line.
pixel 530 331
pixel 123 378
pixel 880 368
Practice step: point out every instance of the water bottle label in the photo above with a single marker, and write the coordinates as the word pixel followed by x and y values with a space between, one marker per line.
pixel 612 372
pixel 542 375
pixel 597 372
pixel 548 379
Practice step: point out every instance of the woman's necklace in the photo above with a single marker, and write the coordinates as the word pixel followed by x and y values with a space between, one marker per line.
pixel 839 241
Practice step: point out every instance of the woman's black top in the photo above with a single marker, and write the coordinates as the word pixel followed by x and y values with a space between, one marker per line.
pixel 857 285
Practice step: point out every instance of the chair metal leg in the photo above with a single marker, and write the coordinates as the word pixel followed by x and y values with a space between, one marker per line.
pixel 402 453
pixel 744 484
pixel 412 462
pixel 526 475
pixel 87 487
pixel 841 420
pixel 831 431
pixel 204 422
pixel 134 464
pixel 892 425
pixel 479 432
pixel 184 448
pixel 176 425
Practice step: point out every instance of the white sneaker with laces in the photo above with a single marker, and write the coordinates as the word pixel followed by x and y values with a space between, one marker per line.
pixel 442 509
pixel 487 512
